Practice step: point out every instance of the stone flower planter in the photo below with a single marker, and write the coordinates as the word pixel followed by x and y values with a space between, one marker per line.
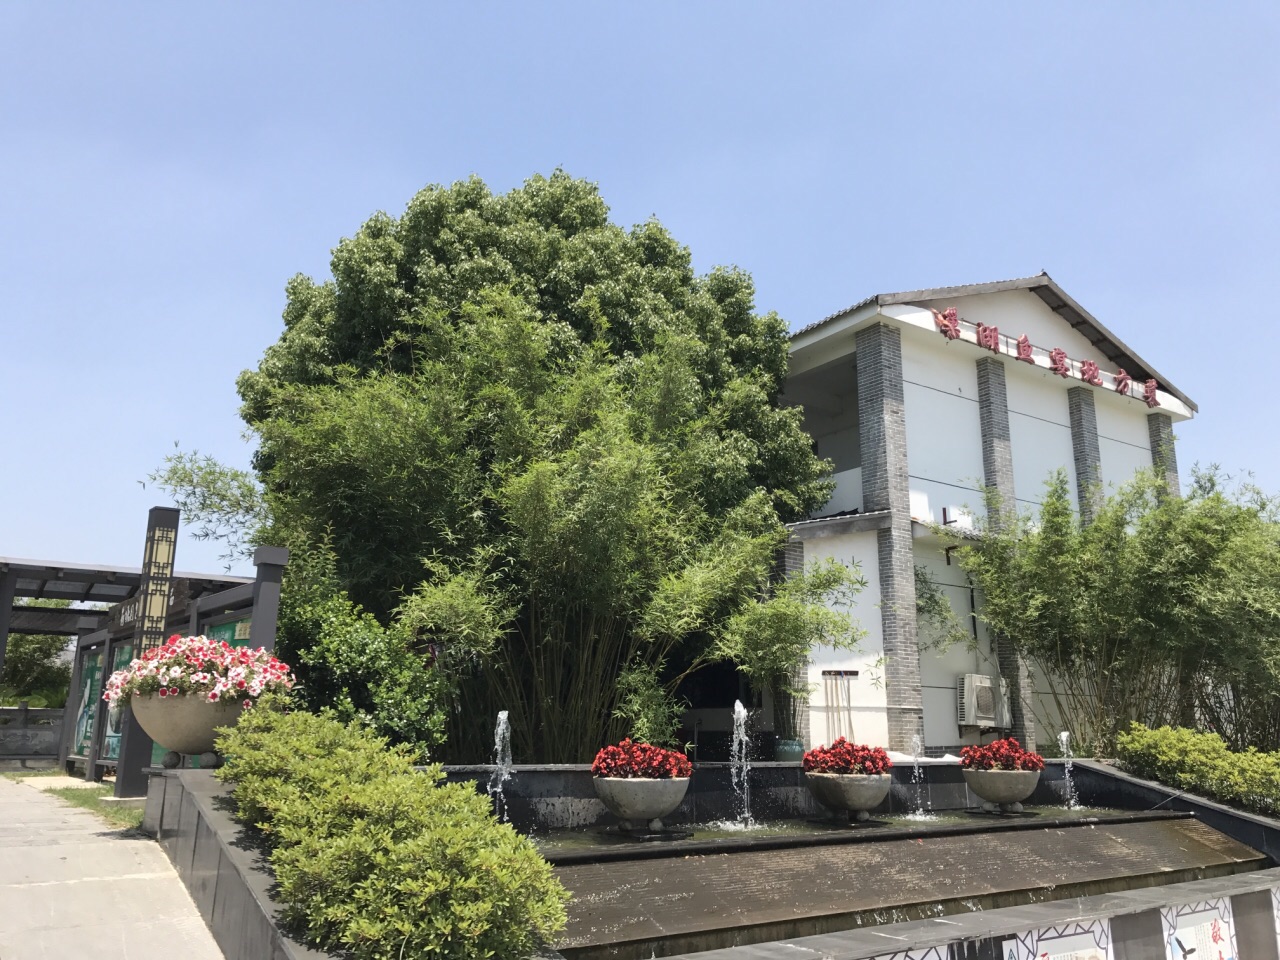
pixel 850 793
pixel 1002 789
pixel 184 724
pixel 640 802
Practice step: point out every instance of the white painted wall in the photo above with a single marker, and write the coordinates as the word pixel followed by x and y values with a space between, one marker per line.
pixel 941 665
pixel 1039 431
pixel 1124 442
pixel 836 432
pixel 1048 717
pixel 944 434
pixel 847 494
pixel 867 716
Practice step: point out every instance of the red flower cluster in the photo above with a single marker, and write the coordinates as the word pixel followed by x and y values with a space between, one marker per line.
pixel 845 757
pixel 631 758
pixel 1006 754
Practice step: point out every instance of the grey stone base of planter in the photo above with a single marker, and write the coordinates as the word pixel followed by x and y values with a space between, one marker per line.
pixel 856 794
pixel 184 724
pixel 1002 790
pixel 640 803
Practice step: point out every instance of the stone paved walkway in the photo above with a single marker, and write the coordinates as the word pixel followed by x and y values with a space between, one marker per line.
pixel 72 886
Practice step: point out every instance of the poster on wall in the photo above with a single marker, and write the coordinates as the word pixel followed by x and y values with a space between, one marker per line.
pixel 87 700
pixel 235 633
pixel 1082 940
pixel 113 725
pixel 1199 931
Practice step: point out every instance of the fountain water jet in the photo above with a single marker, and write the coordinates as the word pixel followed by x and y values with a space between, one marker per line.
pixel 1073 798
pixel 502 766
pixel 923 810
pixel 740 763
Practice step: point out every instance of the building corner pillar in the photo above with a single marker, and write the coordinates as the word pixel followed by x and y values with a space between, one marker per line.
pixel 997 464
pixel 1164 457
pixel 1084 447
pixel 883 445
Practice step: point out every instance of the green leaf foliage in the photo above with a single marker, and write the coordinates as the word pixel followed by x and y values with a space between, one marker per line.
pixel 770 635
pixel 33 667
pixel 1202 763
pixel 538 449
pixel 1162 610
pixel 379 860
pixel 225 504
pixel 647 707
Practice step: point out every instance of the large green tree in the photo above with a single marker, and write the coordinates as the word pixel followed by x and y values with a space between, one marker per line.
pixel 1163 609
pixel 33 666
pixel 546 452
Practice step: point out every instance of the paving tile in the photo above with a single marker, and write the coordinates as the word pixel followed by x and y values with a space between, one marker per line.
pixel 70 883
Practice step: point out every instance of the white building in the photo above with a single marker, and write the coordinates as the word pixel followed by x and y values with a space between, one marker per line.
pixel 921 399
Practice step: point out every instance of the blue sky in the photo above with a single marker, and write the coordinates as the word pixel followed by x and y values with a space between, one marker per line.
pixel 165 168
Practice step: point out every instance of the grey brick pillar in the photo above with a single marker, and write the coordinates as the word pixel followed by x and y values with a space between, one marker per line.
pixel 997 465
pixel 993 414
pixel 1084 445
pixel 883 443
pixel 1163 456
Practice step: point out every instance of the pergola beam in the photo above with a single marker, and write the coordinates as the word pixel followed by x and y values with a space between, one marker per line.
pixel 58 621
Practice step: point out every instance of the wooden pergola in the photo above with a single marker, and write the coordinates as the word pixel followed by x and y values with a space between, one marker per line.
pixel 79 584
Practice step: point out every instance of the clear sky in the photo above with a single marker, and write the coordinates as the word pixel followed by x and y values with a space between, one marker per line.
pixel 166 167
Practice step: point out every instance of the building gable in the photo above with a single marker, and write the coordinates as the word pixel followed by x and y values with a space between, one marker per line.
pixel 1046 315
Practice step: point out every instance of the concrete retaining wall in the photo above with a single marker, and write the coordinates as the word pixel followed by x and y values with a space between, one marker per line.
pixel 30 734
pixel 228 878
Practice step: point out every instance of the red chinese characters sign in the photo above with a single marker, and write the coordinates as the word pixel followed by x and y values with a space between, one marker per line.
pixel 949 324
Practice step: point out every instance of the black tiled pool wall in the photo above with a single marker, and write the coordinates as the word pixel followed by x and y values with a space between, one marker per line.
pixel 561 796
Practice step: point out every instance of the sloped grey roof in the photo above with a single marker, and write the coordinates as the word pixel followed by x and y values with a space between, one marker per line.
pixel 1057 300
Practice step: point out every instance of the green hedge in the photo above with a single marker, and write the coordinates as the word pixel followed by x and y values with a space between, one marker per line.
pixel 1201 763
pixel 377 859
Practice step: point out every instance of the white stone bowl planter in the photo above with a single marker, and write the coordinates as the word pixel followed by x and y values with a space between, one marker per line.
pixel 184 724
pixel 640 802
pixel 850 793
pixel 1002 789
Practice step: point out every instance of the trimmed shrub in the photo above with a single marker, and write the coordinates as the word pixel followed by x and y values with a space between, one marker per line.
pixel 380 860
pixel 1201 763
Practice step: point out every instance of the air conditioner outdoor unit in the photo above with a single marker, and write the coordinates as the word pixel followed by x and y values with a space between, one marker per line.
pixel 982 701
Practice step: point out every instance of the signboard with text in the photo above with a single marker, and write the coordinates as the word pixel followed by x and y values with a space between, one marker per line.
pixel 954 327
pixel 235 633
